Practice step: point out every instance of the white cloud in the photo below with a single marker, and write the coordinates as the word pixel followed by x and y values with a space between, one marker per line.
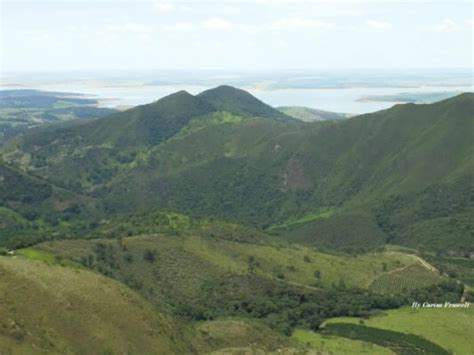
pixel 217 23
pixel 379 25
pixel 163 7
pixel 447 25
pixel 129 27
pixel 470 22
pixel 185 8
pixel 180 27
pixel 299 22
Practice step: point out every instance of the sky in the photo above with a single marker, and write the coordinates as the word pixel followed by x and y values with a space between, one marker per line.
pixel 235 35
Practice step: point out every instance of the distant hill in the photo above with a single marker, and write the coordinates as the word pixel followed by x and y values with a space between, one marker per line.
pixel 416 97
pixel 23 109
pixel 308 114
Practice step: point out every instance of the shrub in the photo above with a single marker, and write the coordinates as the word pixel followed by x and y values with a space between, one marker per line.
pixel 150 255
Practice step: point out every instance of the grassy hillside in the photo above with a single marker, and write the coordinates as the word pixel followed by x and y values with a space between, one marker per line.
pixel 78 311
pixel 447 327
pixel 238 336
pixel 233 292
pixel 295 264
pixel 281 286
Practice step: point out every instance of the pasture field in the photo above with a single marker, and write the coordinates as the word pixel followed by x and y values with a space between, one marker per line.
pixel 448 327
pixel 400 343
pixel 329 344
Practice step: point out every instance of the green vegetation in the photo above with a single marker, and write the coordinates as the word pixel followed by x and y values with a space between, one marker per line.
pixel 160 155
pixel 78 311
pixel 34 210
pixel 308 114
pixel 238 335
pixel 45 257
pixel 400 343
pixel 218 252
pixel 173 201
pixel 219 278
pixel 240 102
pixel 329 344
pixel 297 222
pixel 456 267
pixel 408 278
pixel 448 327
pixel 24 109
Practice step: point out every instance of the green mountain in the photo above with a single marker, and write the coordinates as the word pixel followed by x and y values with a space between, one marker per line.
pixel 241 103
pixel 402 175
pixel 147 124
pixel 308 114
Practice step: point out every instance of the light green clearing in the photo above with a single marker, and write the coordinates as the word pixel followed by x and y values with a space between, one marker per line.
pixel 336 345
pixel 48 258
pixel 296 222
pixel 451 328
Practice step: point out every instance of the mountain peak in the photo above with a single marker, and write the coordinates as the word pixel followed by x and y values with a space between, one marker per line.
pixel 240 102
pixel 179 95
pixel 180 103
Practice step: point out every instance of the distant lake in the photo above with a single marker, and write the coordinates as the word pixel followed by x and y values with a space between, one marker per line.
pixel 338 99
pixel 347 100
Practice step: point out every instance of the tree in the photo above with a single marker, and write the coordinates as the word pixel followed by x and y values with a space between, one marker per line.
pixel 150 255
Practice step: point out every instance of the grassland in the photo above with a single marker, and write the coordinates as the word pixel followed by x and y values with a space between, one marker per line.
pixel 400 343
pixel 48 258
pixel 241 336
pixel 448 327
pixel 328 344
